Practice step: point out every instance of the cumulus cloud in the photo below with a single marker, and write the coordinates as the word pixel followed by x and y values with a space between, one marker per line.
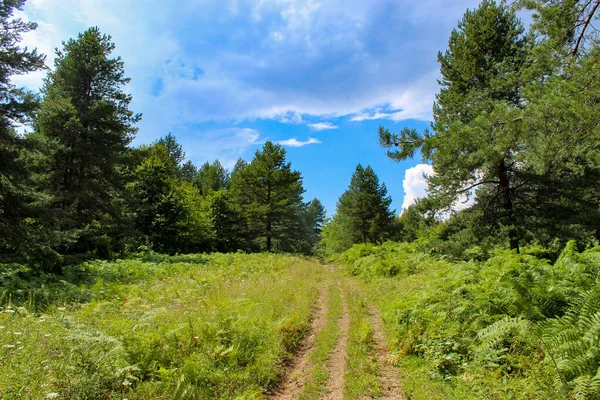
pixel 296 143
pixel 414 184
pixel 323 126
pixel 198 61
pixel 415 187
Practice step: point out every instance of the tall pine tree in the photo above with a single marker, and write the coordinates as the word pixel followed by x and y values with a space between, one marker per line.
pixel 85 117
pixel 270 195
pixel 363 213
pixel 473 145
pixel 313 217
pixel 15 107
pixel 561 123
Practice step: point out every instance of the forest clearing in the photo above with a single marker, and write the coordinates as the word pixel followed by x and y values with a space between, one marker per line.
pixel 222 326
pixel 137 263
pixel 236 326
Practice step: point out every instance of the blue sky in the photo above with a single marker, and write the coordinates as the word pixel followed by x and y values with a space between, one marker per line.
pixel 318 76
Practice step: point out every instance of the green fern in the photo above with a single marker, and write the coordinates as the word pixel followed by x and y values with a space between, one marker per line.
pixel 501 331
pixel 573 342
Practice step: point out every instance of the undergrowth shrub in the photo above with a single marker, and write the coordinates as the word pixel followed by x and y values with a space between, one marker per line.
pixel 389 259
pixel 513 318
pixel 572 343
pixel 95 366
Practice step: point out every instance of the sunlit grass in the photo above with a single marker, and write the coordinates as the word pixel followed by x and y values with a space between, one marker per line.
pixel 434 310
pixel 361 379
pixel 190 327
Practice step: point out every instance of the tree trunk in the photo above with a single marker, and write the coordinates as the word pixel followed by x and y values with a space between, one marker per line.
pixel 80 189
pixel 507 204
pixel 269 227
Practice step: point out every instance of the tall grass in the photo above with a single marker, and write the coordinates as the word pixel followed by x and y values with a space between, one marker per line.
pixel 361 379
pixel 218 326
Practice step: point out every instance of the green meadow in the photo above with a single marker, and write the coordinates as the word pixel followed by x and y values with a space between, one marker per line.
pixel 218 326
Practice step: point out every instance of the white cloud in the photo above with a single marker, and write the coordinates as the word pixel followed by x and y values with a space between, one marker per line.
pixel 262 59
pixel 290 118
pixel 296 143
pixel 323 126
pixel 45 38
pixel 415 184
pixel 415 187
pixel 414 102
pixel 227 145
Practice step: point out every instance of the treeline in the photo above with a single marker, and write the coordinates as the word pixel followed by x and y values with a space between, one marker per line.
pixel 515 139
pixel 74 188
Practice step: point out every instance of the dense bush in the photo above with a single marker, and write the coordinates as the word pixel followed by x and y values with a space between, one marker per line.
pixel 524 319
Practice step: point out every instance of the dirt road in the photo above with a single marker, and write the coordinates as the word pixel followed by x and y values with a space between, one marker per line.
pixel 312 375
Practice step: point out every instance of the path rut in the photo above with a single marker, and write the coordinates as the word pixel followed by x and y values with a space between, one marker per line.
pixel 299 368
pixel 338 359
pixel 388 375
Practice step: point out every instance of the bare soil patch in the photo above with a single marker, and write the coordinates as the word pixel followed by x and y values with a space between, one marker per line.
pixel 338 359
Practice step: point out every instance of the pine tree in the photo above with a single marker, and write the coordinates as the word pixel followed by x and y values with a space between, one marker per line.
pixel 160 210
pixel 561 123
pixel 230 226
pixel 365 208
pixel 566 28
pixel 174 149
pixel 473 143
pixel 211 178
pixel 85 117
pixel 234 230
pixel 313 217
pixel 15 107
pixel 270 194
pixel 188 172
pixel 168 212
pixel 316 215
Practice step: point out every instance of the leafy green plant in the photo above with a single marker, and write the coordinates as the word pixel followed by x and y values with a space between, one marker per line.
pixel 572 342
pixel 510 326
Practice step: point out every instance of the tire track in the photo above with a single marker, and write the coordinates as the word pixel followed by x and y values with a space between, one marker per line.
pixel 338 360
pixel 388 375
pixel 299 369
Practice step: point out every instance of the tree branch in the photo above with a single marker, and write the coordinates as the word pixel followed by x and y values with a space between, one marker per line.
pixel 475 185
pixel 584 28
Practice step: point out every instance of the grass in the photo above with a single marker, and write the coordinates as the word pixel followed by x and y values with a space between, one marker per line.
pixel 219 326
pixel 514 326
pixel 361 379
pixel 436 348
pixel 325 344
